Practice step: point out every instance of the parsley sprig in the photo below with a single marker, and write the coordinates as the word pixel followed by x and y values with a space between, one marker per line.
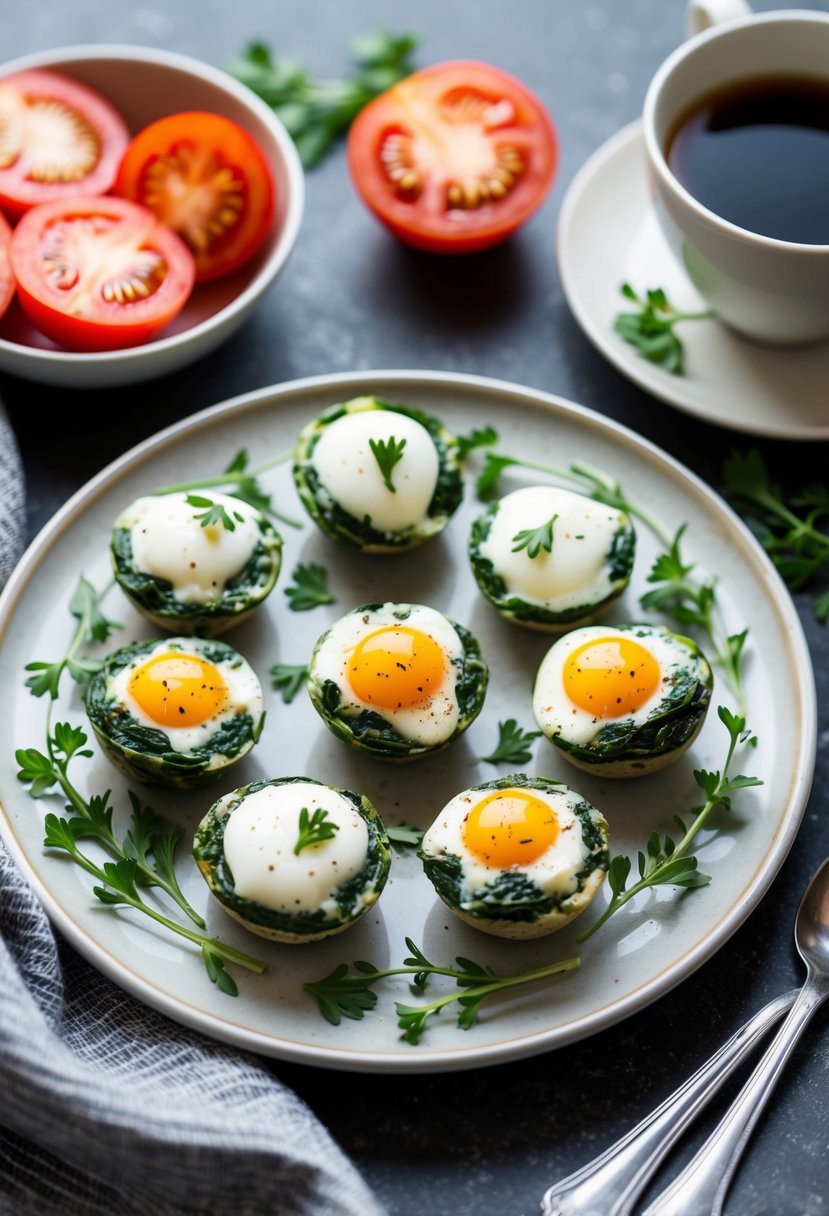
pixel 791 530
pixel 677 588
pixel 317 112
pixel 650 329
pixel 242 482
pixel 535 539
pixel 513 745
pixel 404 836
pixel 309 588
pixel 387 453
pixel 288 678
pixel 343 993
pixel 144 857
pixel 93 626
pixel 214 514
pixel 667 862
pixel 314 829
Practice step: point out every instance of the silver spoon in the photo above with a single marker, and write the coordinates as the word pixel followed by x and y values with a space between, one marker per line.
pixel 610 1184
pixel 701 1188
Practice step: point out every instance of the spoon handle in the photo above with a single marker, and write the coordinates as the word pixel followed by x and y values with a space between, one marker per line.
pixel 612 1182
pixel 700 1189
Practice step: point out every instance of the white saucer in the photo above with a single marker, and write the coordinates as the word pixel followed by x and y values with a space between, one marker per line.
pixel 608 234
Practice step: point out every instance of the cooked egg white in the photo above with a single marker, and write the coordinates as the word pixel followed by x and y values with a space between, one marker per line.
pixel 177 688
pixel 169 542
pixel 399 668
pixel 262 832
pixel 351 474
pixel 576 570
pixel 493 832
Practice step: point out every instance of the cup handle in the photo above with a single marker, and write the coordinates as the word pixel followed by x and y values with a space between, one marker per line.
pixel 701 14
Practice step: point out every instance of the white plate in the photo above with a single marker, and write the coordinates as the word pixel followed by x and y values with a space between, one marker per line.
pixel 608 234
pixel 640 954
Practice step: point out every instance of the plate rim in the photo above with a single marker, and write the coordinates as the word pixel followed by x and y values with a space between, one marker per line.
pixel 428 1059
pixel 636 369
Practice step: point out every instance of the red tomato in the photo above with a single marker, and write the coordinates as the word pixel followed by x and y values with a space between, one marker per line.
pixel 99 273
pixel 455 157
pixel 7 282
pixel 58 137
pixel 208 179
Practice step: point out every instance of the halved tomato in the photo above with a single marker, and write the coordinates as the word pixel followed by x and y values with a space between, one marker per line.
pixel 58 137
pixel 454 157
pixel 208 179
pixel 99 273
pixel 7 281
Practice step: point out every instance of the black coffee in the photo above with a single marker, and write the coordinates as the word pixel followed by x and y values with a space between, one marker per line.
pixel 757 154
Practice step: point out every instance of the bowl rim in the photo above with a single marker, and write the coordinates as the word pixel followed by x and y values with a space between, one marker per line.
pixel 58 56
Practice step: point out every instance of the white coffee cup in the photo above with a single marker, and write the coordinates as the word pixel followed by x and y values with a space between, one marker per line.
pixel 773 291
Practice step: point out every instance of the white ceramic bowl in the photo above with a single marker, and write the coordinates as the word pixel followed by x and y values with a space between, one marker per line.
pixel 145 84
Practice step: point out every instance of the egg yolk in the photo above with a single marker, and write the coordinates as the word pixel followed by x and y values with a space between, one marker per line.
pixel 396 667
pixel 510 828
pixel 610 677
pixel 178 689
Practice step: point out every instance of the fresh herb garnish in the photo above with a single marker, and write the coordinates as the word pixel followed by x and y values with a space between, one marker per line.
pixel 790 530
pixel 651 329
pixel 690 599
pixel 666 862
pixel 405 835
pixel 144 857
pixel 317 112
pixel 478 437
pixel 344 994
pixel 288 678
pixel 242 482
pixel 535 539
pixel 309 588
pixel 93 626
pixel 513 744
pixel 387 453
pixel 213 514
pixel 314 829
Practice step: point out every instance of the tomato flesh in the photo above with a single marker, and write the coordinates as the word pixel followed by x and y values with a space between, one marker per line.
pixel 99 273
pixel 208 179
pixel 7 280
pixel 454 158
pixel 58 137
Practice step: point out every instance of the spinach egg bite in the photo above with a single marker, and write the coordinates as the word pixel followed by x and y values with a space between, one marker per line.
pixel 176 711
pixel 397 680
pixel 378 477
pixel 622 700
pixel 548 558
pixel 292 859
pixel 195 563
pixel 518 857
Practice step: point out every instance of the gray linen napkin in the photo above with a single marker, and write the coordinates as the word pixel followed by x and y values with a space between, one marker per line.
pixel 107 1106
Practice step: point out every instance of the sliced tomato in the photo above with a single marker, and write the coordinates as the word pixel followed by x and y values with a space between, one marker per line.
pixel 454 158
pixel 99 273
pixel 58 137
pixel 208 179
pixel 7 281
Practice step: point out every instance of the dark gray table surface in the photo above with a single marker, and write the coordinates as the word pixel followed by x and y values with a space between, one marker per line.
pixel 490 1140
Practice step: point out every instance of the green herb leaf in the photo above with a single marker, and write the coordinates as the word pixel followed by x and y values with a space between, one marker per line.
pixel 318 112
pixel 288 679
pixel 667 862
pixel 405 835
pixel 314 829
pixel 214 514
pixel 310 587
pixel 513 744
pixel 387 453
pixel 650 330
pixel 479 437
pixel 535 539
